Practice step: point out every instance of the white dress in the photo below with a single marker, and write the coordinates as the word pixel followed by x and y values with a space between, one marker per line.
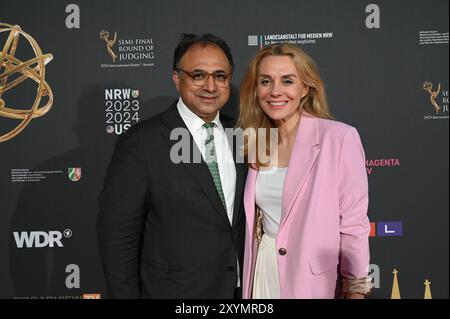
pixel 268 195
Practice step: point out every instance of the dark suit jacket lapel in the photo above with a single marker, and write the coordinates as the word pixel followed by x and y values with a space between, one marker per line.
pixel 239 193
pixel 199 171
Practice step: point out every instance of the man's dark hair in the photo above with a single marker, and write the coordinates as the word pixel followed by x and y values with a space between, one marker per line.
pixel 188 40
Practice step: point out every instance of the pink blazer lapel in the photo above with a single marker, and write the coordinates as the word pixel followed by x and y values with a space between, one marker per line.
pixel 303 156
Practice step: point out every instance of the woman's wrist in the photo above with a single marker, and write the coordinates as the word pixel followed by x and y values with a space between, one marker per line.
pixel 357 285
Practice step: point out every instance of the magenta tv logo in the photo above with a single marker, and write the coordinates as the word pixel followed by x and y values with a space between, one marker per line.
pixel 371 164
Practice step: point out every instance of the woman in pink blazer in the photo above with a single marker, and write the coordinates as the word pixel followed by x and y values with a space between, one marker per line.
pixel 311 191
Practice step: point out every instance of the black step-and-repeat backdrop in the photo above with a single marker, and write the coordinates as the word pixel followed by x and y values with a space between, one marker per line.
pixel 75 75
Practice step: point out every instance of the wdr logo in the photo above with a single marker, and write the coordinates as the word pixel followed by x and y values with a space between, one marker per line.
pixel 40 239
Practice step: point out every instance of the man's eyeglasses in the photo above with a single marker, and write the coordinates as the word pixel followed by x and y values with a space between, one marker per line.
pixel 200 78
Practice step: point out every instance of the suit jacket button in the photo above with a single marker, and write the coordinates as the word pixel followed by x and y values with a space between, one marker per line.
pixel 282 251
pixel 231 268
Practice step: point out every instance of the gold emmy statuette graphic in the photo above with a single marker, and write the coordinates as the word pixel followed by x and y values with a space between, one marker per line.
pixel 427 294
pixel 395 294
pixel 12 67
pixel 104 35
pixel 428 87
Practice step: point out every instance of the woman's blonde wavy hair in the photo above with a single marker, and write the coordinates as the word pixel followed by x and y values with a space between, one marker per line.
pixel 253 117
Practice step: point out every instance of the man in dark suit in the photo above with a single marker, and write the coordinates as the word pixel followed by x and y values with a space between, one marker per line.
pixel 171 221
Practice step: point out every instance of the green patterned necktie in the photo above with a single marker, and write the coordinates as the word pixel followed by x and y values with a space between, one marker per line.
pixel 211 160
